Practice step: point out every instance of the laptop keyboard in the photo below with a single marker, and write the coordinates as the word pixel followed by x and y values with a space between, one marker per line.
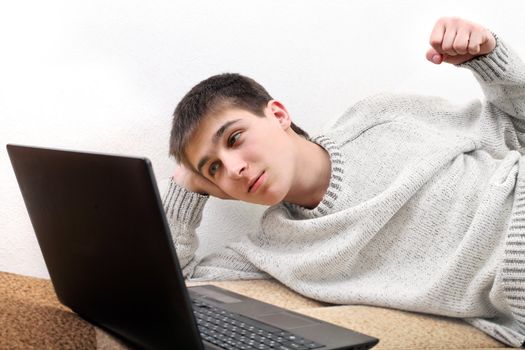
pixel 233 331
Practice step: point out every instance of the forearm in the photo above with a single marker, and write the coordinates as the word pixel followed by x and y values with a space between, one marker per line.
pixel 184 213
pixel 227 264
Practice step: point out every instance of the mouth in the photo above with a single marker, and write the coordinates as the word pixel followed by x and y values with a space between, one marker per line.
pixel 256 182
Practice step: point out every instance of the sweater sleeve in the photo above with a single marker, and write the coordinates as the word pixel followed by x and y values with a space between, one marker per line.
pixel 501 75
pixel 184 214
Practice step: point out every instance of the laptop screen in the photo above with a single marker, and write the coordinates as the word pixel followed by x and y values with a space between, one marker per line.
pixel 101 227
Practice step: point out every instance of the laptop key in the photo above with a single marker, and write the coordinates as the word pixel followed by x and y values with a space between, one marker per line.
pixel 237 332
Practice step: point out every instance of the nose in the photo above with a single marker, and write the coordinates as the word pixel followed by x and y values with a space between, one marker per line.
pixel 235 166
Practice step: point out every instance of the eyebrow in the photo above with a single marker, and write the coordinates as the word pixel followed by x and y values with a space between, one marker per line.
pixel 215 139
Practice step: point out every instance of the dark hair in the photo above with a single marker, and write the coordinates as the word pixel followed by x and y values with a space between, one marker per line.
pixel 228 90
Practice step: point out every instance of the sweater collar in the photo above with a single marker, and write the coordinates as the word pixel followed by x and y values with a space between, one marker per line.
pixel 327 204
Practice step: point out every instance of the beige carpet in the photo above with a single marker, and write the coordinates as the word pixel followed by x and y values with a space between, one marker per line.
pixel 31 317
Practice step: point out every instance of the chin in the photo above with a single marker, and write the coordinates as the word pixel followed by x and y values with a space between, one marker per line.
pixel 273 198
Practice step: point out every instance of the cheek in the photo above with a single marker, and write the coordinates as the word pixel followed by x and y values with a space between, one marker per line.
pixel 252 152
pixel 229 187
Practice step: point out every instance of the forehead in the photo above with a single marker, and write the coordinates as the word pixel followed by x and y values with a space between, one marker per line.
pixel 211 124
pixel 204 139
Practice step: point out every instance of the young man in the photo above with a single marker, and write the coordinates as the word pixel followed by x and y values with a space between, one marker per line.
pixel 407 202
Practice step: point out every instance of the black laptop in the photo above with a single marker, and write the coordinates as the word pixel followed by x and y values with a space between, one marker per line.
pixel 101 227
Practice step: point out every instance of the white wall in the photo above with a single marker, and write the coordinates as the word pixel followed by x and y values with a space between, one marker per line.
pixel 106 75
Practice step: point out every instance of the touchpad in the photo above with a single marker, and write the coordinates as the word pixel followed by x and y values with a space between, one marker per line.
pixel 286 320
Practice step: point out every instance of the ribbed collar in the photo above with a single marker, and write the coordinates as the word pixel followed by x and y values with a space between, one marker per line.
pixel 334 188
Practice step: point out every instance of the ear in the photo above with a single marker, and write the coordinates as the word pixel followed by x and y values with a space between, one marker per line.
pixel 277 110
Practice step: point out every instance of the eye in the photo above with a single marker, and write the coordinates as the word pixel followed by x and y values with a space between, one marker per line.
pixel 214 167
pixel 234 138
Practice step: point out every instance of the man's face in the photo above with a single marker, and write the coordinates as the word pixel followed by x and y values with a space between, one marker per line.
pixel 250 158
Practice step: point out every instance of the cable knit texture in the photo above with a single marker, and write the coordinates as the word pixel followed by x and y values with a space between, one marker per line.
pixel 425 210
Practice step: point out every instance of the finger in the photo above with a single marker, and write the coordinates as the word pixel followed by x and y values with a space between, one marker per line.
pixel 448 41
pixel 436 37
pixel 209 187
pixel 460 45
pixel 474 42
pixel 488 42
pixel 434 56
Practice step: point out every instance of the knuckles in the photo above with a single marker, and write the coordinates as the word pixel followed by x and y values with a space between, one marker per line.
pixel 460 47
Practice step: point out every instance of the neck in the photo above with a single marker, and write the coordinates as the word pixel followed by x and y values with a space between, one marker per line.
pixel 312 174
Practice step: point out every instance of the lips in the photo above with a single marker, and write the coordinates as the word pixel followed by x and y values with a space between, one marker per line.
pixel 255 183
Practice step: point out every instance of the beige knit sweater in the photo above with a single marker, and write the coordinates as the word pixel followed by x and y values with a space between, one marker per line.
pixel 425 210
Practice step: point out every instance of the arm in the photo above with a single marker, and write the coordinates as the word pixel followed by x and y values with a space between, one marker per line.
pixel 183 210
pixel 184 213
pixel 500 71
